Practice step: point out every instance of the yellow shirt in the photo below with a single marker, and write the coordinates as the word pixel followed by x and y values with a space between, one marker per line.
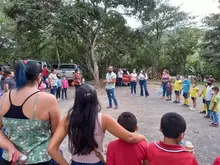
pixel 204 92
pixel 215 99
pixel 177 85
pixel 194 92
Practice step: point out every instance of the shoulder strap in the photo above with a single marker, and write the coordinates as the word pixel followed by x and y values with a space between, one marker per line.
pixel 10 97
pixel 100 156
pixel 29 97
pixel 35 107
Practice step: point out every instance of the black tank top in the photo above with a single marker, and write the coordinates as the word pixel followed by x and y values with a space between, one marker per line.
pixel 17 111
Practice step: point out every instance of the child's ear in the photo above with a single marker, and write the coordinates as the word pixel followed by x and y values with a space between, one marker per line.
pixel 136 128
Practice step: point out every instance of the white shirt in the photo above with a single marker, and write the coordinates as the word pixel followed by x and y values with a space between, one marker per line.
pixel 142 76
pixel 133 77
pixel 208 95
pixel 120 74
pixel 109 78
pixel 53 79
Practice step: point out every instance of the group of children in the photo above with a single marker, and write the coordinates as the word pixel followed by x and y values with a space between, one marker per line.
pixel 210 95
pixel 62 86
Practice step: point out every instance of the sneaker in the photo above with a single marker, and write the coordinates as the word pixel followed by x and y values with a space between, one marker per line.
pixel 116 107
pixel 108 107
pixel 178 102
pixel 175 102
pixel 214 125
pixel 207 117
pixel 202 112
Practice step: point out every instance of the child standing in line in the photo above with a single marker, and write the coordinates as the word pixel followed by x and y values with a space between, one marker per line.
pixel 169 90
pixel 194 94
pixel 215 106
pixel 59 85
pixel 208 97
pixel 177 89
pixel 65 86
pixel 186 89
pixel 202 94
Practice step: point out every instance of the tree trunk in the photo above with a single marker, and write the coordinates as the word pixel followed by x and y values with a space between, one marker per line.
pixel 95 67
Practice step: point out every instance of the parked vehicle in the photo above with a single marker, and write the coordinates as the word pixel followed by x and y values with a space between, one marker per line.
pixel 126 77
pixel 68 70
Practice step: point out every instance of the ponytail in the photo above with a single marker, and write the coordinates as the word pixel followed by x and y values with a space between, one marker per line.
pixel 20 75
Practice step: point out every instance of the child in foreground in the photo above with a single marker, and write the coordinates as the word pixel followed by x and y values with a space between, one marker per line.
pixel 208 97
pixel 217 161
pixel 194 94
pixel 122 153
pixel 168 151
pixel 177 89
pixel 186 88
pixel 215 107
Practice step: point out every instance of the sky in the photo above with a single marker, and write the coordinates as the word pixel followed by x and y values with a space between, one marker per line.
pixel 199 8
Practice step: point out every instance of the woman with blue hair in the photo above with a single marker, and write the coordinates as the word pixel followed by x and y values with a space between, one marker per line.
pixel 34 114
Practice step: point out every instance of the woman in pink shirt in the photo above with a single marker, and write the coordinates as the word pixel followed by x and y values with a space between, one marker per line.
pixel 165 79
pixel 65 86
pixel 134 78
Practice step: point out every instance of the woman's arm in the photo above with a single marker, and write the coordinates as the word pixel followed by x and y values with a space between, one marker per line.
pixel 112 126
pixel 54 113
pixel 57 139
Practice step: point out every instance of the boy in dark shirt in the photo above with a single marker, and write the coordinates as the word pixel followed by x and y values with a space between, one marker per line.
pixel 122 153
pixel 168 151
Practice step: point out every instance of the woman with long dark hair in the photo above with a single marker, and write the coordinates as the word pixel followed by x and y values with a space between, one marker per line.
pixel 29 116
pixel 165 79
pixel 85 126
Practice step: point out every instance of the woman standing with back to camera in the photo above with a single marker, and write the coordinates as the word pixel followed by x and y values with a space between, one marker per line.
pixel 29 116
pixel 86 127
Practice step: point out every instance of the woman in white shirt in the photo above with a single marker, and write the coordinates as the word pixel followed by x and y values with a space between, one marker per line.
pixel 134 78
pixel 143 83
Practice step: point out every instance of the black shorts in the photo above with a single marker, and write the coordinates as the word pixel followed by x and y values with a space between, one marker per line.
pixel 203 101
pixel 177 93
pixel 193 98
pixel 186 95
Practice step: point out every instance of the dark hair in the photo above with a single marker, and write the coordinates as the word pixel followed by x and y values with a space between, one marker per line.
pixel 45 66
pixel 172 125
pixel 212 80
pixel 128 121
pixel 82 119
pixel 215 88
pixel 52 70
pixel 26 72
pixel 166 71
pixel 194 82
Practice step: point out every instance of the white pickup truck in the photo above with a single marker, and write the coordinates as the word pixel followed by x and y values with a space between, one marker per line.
pixel 68 70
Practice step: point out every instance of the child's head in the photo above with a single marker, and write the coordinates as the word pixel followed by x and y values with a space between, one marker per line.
pixel 128 121
pixel 194 83
pixel 211 81
pixel 177 77
pixel 58 76
pixel 173 126
pixel 215 89
pixel 63 76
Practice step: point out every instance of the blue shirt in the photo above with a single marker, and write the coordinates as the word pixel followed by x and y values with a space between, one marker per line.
pixel 186 85
pixel 59 84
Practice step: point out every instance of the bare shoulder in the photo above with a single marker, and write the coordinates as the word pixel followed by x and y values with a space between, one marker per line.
pixel 47 97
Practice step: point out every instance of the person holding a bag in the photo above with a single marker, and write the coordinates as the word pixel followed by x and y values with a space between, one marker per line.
pixel 85 126
pixel 29 116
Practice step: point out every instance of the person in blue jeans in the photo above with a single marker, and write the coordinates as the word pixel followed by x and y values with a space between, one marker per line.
pixel 165 79
pixel 134 78
pixel 208 98
pixel 110 87
pixel 53 82
pixel 120 77
pixel 143 83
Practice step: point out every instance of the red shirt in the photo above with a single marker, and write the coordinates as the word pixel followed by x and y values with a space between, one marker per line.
pixel 162 154
pixel 77 79
pixel 217 161
pixel 45 72
pixel 122 153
